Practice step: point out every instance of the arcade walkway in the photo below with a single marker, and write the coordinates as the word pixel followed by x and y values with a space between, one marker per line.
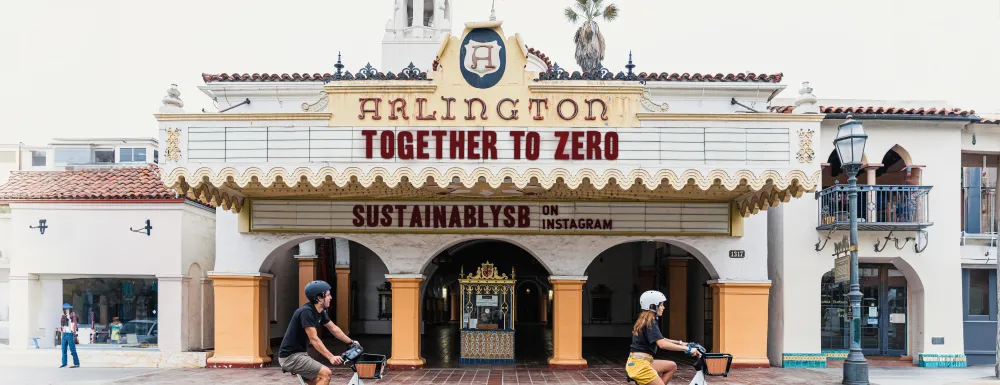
pixel 440 347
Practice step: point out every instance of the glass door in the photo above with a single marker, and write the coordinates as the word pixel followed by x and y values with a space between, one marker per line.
pixel 870 278
pixel 894 317
pixel 883 310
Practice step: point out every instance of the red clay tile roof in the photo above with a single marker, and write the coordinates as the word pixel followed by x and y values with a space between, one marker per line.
pixel 876 110
pixel 697 77
pixel 111 184
pixel 540 55
pixel 661 77
pixel 989 121
pixel 264 77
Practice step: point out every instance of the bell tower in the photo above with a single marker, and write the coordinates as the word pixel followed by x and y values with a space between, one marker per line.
pixel 414 33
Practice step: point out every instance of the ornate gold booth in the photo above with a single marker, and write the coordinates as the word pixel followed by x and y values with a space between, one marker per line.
pixel 487 316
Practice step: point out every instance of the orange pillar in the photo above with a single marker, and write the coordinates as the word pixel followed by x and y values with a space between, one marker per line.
pixel 307 273
pixel 265 315
pixel 344 298
pixel 677 279
pixel 405 321
pixel 239 343
pixel 543 308
pixel 454 306
pixel 740 328
pixel 567 328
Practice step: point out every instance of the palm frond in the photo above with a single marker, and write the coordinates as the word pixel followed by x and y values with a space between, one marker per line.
pixel 571 15
pixel 610 12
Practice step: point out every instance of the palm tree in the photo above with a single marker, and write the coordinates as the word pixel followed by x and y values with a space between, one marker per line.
pixel 588 38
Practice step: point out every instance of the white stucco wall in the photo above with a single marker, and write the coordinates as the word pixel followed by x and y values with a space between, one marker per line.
pixel 617 271
pixel 5 250
pixel 285 292
pixel 369 272
pixel 933 276
pixel 93 240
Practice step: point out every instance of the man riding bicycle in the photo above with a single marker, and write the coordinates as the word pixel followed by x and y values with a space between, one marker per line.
pixel 646 338
pixel 292 355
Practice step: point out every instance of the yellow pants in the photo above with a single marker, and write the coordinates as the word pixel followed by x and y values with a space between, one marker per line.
pixel 640 369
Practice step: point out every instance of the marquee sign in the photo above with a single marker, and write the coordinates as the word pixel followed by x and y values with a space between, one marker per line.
pixel 490 217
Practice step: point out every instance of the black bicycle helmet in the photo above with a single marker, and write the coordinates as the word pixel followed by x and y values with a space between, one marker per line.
pixel 315 289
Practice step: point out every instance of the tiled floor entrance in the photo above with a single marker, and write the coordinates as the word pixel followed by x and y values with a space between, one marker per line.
pixel 479 376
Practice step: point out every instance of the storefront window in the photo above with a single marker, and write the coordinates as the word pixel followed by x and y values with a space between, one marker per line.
pixel 100 302
pixel 833 315
pixel 979 292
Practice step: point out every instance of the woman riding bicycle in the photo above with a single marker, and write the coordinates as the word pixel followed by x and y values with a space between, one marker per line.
pixel 646 338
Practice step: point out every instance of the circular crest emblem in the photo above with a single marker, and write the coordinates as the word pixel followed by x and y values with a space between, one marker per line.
pixel 483 58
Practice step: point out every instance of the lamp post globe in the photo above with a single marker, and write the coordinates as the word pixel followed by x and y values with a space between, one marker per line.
pixel 850 144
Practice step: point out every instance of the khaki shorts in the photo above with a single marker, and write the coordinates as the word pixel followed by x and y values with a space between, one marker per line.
pixel 301 364
pixel 640 369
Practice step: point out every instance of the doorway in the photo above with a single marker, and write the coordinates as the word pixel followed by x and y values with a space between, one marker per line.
pixel 442 341
pixel 883 311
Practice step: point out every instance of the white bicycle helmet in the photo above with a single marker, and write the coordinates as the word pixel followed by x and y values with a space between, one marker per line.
pixel 651 300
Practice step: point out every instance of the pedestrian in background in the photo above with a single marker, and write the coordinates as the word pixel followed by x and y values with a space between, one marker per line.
pixel 68 327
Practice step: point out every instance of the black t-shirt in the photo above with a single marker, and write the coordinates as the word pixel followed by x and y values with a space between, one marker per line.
pixel 296 340
pixel 645 342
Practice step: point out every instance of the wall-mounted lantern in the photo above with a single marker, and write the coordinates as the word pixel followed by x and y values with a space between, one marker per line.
pixel 143 229
pixel 41 226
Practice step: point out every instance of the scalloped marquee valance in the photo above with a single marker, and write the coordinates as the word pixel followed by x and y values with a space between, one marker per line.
pixel 766 188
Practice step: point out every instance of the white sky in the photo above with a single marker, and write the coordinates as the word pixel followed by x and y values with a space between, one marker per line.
pixel 99 68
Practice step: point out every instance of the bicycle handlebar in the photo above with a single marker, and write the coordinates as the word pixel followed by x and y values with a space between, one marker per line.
pixel 351 354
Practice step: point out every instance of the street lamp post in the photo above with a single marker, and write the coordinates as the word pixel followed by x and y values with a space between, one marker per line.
pixel 850 144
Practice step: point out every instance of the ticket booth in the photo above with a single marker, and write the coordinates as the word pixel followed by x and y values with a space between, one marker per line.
pixel 487 334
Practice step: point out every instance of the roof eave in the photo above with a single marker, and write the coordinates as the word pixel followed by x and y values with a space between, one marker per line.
pixel 937 118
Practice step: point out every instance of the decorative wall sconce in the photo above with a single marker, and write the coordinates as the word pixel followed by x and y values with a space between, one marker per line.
pixel 41 226
pixel 142 229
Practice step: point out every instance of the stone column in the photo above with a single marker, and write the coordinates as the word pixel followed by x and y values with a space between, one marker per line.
pixel 172 300
pixel 207 314
pixel 50 302
pixel 240 320
pixel 343 260
pixel 405 321
pixel 739 310
pixel 419 13
pixel 24 309
pixel 307 267
pixel 677 272
pixel 567 328
pixel 872 212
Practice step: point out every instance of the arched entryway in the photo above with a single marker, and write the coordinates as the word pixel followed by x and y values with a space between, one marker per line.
pixel 620 274
pixel 355 274
pixel 441 345
pixel 531 303
pixel 891 310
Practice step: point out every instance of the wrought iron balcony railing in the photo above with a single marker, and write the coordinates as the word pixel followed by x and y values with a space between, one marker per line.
pixel 880 208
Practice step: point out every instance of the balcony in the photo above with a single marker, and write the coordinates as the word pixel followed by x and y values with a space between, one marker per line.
pixel 979 221
pixel 880 208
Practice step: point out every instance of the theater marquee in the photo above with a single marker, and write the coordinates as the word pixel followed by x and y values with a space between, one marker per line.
pixel 490 217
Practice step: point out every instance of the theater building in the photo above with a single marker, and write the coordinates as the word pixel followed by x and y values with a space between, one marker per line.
pixel 569 195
